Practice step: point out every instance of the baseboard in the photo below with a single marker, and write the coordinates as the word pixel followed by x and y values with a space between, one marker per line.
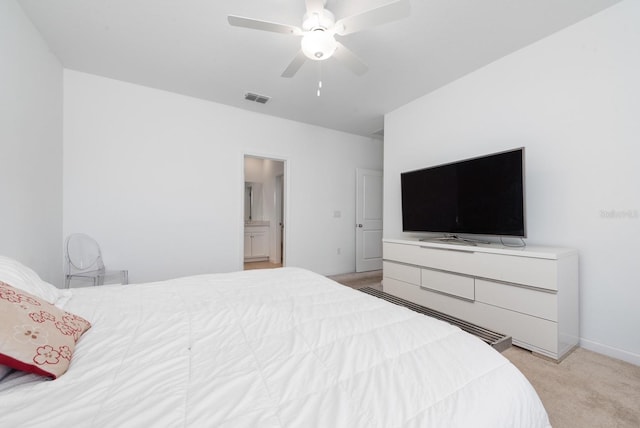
pixel 609 351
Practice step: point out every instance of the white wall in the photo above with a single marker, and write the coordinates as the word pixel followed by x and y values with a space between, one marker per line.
pixel 157 179
pixel 573 100
pixel 30 146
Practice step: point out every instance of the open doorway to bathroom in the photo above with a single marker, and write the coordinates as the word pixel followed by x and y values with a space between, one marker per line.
pixel 264 212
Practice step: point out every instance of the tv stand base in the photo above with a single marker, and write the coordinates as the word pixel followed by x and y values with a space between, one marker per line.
pixel 530 294
pixel 455 239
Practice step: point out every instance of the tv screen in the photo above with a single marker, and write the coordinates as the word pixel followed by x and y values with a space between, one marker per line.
pixel 480 196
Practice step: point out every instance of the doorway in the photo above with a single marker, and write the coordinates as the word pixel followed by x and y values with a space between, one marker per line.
pixel 264 212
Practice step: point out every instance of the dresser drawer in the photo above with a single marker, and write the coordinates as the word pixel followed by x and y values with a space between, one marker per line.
pixel 447 283
pixel 541 304
pixel 401 272
pixel 530 271
pixel 533 333
pixel 428 257
pixel 402 289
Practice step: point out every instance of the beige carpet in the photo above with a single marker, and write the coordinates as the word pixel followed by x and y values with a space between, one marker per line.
pixel 585 390
pixel 261 265
pixel 360 280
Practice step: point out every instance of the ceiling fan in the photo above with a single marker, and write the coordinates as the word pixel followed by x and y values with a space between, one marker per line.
pixel 319 28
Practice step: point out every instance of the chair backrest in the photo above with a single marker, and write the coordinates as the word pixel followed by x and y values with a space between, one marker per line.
pixel 83 254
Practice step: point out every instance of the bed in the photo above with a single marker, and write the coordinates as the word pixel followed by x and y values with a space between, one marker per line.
pixel 265 348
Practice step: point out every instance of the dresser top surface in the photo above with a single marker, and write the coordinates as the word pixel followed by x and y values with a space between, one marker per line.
pixel 535 251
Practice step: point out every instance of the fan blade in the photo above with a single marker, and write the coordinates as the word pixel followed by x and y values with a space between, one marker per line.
pixel 314 6
pixel 256 24
pixel 295 65
pixel 350 60
pixel 377 16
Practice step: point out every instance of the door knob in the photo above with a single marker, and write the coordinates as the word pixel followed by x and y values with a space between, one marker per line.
pixel 359 225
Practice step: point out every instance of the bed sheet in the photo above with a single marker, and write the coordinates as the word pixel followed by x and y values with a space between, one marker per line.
pixel 269 348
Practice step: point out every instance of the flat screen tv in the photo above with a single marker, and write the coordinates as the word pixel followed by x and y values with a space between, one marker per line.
pixel 479 196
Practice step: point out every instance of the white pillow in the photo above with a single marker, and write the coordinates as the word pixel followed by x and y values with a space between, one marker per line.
pixel 19 276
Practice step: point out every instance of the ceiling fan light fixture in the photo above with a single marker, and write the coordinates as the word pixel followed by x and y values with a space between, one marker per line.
pixel 319 28
pixel 318 45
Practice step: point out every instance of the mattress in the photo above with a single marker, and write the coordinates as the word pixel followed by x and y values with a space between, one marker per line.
pixel 268 348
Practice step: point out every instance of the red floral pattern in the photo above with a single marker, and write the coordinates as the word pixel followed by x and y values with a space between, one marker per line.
pixel 65 328
pixel 46 315
pixel 29 300
pixel 65 352
pixel 13 297
pixel 71 325
pixel 36 316
pixel 9 295
pixel 36 336
pixel 46 355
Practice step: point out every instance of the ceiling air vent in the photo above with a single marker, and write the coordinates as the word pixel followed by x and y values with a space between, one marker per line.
pixel 262 99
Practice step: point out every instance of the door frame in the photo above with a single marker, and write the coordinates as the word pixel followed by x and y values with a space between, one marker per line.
pixel 285 197
pixel 279 208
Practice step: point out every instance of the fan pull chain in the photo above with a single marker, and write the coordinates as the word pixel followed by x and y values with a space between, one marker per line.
pixel 319 78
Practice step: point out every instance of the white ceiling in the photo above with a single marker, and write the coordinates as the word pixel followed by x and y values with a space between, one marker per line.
pixel 187 46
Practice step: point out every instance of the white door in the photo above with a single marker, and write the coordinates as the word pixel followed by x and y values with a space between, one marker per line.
pixel 368 220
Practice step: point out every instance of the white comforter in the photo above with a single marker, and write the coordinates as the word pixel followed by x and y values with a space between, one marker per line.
pixel 272 348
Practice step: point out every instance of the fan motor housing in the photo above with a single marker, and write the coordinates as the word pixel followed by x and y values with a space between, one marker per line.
pixel 322 20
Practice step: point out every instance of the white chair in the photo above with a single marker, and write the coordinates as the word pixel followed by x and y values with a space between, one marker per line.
pixel 84 261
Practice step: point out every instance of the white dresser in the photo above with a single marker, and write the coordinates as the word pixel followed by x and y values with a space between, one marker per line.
pixel 529 293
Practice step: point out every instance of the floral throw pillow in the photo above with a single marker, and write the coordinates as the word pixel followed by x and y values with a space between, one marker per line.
pixel 36 336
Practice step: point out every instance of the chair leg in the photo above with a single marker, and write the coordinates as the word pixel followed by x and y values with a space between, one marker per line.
pixel 67 281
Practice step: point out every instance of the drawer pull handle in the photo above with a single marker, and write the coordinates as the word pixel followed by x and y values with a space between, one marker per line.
pixel 455 296
pixel 450 249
